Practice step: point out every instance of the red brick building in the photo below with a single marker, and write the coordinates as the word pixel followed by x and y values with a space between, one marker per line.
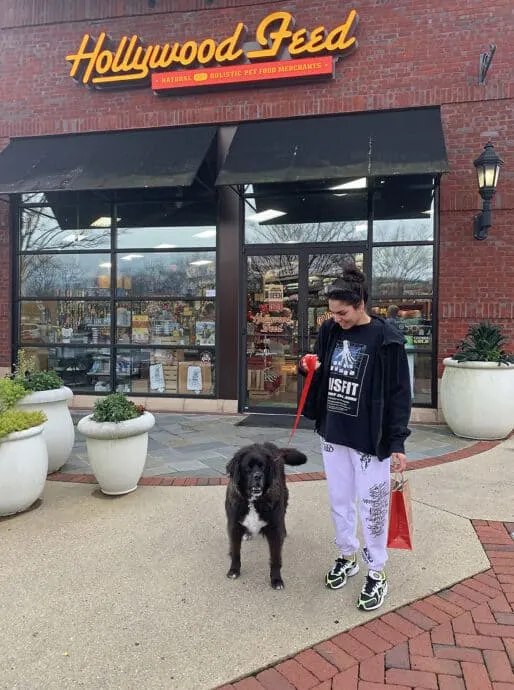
pixel 186 260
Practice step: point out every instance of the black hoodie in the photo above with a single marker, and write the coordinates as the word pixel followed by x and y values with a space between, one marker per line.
pixel 390 390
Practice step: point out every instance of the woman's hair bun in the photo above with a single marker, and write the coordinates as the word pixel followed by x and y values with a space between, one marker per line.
pixel 352 274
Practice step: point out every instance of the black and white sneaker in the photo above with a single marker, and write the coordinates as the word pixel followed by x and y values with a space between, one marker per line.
pixel 342 569
pixel 374 591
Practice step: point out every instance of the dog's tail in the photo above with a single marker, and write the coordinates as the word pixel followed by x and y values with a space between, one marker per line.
pixel 291 456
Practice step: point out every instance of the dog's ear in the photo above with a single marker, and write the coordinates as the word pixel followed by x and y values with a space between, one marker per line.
pixel 234 466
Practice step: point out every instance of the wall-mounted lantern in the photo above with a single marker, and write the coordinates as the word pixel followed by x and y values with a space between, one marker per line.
pixel 488 166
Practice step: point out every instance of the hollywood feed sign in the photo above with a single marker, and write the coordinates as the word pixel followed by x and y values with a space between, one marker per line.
pixel 279 51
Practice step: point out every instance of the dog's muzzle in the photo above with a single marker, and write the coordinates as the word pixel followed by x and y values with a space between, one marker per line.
pixel 256 485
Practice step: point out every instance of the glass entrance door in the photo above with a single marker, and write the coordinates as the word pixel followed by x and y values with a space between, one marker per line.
pixel 284 310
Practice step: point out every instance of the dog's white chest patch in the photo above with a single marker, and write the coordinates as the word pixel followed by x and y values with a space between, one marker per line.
pixel 253 522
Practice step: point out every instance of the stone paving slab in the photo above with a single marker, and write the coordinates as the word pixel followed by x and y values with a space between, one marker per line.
pixel 203 444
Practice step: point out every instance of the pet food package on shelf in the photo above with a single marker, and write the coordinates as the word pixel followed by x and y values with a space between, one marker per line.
pixel 194 378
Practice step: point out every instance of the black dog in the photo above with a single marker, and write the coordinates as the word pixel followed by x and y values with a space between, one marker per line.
pixel 256 501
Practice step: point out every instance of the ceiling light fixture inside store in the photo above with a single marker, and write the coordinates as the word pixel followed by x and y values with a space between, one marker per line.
pixel 103 222
pixel 268 214
pixel 106 264
pixel 206 233
pixel 362 227
pixel 201 262
pixel 129 257
pixel 165 246
pixel 360 183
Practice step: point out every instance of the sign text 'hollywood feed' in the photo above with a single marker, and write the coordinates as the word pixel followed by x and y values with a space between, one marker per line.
pixel 279 51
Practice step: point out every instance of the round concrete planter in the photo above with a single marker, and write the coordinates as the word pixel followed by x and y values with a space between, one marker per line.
pixel 117 451
pixel 23 469
pixel 58 430
pixel 477 399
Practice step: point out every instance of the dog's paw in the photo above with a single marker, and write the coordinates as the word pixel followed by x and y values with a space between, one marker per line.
pixel 247 536
pixel 277 583
pixel 233 573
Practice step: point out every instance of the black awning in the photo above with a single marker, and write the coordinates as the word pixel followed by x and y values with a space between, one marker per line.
pixel 393 142
pixel 128 159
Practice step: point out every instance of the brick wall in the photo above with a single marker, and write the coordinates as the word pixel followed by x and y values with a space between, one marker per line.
pixel 410 54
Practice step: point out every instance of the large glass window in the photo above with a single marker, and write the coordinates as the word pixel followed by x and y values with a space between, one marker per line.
pixel 120 295
pixel 391 220
pixel 403 271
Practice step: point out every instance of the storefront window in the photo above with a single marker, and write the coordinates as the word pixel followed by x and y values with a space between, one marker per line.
pixel 140 318
pixel 403 273
pixel 65 275
pixel 301 215
pixel 166 273
pixel 64 227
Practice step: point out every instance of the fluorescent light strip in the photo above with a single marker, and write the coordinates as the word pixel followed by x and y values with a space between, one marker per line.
pixel 268 214
pixel 360 183
pixel 206 233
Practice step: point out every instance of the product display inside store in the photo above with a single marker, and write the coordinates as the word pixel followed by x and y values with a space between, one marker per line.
pixel 138 319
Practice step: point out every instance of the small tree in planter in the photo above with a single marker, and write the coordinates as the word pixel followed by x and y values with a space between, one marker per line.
pixel 45 391
pixel 23 453
pixel 477 388
pixel 117 442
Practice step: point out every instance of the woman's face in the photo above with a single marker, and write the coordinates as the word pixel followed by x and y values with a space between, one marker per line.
pixel 344 314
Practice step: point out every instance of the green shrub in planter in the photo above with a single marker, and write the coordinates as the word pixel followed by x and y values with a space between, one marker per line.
pixel 34 381
pixel 116 407
pixel 484 342
pixel 11 392
pixel 19 420
pixel 11 419
pixel 42 381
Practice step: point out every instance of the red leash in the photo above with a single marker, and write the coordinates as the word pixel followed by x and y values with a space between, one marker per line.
pixel 310 364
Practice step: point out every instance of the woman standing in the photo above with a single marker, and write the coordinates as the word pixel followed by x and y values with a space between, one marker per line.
pixel 362 402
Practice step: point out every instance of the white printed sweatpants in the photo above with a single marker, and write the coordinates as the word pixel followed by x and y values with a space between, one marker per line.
pixel 352 478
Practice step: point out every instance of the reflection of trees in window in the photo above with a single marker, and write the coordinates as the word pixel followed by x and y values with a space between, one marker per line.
pixel 301 232
pixel 43 274
pixel 41 230
pixel 402 270
pixel 420 230
pixel 172 275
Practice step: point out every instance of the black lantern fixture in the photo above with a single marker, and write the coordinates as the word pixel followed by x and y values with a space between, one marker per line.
pixel 488 166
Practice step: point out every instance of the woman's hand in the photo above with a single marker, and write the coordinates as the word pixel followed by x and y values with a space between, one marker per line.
pixel 398 462
pixel 303 363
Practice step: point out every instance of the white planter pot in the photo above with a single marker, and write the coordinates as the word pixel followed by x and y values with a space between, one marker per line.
pixel 23 469
pixel 477 399
pixel 117 451
pixel 58 430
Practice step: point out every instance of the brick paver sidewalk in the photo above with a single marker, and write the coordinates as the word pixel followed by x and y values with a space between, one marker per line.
pixel 459 639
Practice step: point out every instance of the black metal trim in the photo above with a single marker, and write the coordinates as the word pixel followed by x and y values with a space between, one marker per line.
pixel 15 236
pixel 110 250
pixel 435 291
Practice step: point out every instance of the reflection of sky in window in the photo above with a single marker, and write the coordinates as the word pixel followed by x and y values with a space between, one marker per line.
pixel 199 236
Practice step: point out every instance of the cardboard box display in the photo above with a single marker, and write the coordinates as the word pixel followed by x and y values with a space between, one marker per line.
pixel 189 383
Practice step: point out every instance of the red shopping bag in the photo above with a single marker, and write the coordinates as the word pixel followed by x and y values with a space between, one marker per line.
pixel 400 515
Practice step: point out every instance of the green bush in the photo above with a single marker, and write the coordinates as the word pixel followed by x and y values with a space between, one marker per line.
pixel 116 407
pixel 10 393
pixel 42 381
pixel 19 420
pixel 483 343
pixel 25 374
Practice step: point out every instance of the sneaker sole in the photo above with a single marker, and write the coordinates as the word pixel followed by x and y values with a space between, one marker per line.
pixel 377 606
pixel 349 573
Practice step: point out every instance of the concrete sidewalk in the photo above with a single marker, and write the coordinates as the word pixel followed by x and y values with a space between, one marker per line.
pixel 131 592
